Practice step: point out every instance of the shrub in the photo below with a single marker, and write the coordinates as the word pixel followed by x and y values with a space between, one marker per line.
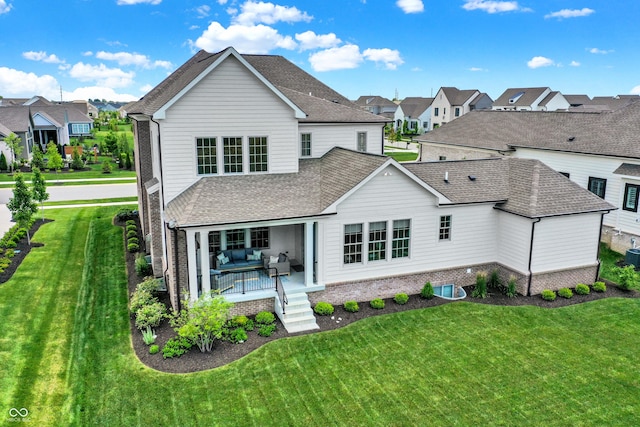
pixel 266 330
pixel 133 247
pixel 377 303
pixel 132 233
pixel 548 295
pixel 323 308
pixel 9 253
pixel 149 284
pixel 511 287
pixel 143 268
pixel 237 335
pixel 427 291
pixel 133 240
pixel 130 222
pixel 176 347
pixel 480 290
pixel 582 289
pixel 106 168
pixel 150 315
pixel 125 214
pixel 154 349
pixel 265 318
pixel 131 228
pixel 351 306
pixel 139 299
pixel 239 321
pixel 599 287
pixel 494 281
pixel 401 298
pixel 148 336
pixel 628 278
pixel 565 293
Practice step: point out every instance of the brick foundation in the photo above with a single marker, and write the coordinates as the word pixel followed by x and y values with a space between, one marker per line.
pixel 563 279
pixel 618 241
pixel 250 308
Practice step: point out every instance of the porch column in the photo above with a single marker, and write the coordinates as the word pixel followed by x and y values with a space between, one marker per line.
pixel 204 263
pixel 192 265
pixel 308 253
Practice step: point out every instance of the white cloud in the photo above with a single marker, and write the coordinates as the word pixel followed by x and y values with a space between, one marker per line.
pixel 126 58
pixel 4 7
pixel 635 90
pixel 203 11
pixel 336 58
pixel 42 56
pixel 540 61
pixel 575 64
pixel 476 69
pixel 131 2
pixel 222 2
pixel 390 58
pixel 245 39
pixel 570 13
pixel 102 75
pixel 97 92
pixel 310 40
pixel 18 83
pixel 410 6
pixel 268 13
pixel 494 6
pixel 599 51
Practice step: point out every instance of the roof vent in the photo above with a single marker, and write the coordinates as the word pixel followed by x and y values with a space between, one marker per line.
pixel 472 178
pixel 446 177
pixel 571 138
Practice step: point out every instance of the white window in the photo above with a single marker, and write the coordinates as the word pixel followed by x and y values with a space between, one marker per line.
pixel 305 145
pixel 206 156
pixel 258 156
pixel 362 141
pixel 631 193
pixel 80 128
pixel 232 154
pixel 260 237
pixel 401 238
pixel 377 240
pixel 445 227
pixel 235 239
pixel 352 243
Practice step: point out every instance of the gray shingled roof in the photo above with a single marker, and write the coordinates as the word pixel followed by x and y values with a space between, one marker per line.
pixel 520 186
pixel 414 106
pixel 615 133
pixel 236 199
pixel 628 169
pixel 528 97
pixel 313 97
pixel 457 96
pixel 364 101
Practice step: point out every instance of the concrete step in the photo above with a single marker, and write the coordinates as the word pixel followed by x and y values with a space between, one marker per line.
pixel 298 316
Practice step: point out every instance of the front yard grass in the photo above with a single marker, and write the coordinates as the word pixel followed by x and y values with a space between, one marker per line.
pixel 67 357
pixel 402 156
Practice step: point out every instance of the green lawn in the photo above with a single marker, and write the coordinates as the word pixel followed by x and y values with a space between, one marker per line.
pixel 402 156
pixel 66 357
pixel 608 259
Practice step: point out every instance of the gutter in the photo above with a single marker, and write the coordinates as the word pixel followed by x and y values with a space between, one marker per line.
pixel 598 250
pixel 533 230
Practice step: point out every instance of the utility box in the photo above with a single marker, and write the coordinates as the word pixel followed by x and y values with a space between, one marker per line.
pixel 633 257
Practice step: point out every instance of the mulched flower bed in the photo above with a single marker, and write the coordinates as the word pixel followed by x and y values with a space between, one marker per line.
pixel 225 352
pixel 24 249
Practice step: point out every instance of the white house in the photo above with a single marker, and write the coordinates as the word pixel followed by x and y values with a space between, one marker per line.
pixel 531 99
pixel 451 103
pixel 415 111
pixel 597 150
pixel 258 182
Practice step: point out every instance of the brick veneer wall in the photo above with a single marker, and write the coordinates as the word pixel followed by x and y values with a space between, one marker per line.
pixel 430 153
pixel 154 219
pixel 142 158
pixel 249 308
pixel 177 268
pixel 561 279
pixel 618 241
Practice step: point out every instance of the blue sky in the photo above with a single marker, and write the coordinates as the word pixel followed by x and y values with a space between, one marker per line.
pixel 120 49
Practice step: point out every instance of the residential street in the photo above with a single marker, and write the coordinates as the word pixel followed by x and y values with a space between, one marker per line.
pixel 62 193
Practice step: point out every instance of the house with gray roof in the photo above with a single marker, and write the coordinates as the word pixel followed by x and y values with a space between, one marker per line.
pixel 451 103
pixel 377 105
pixel 260 183
pixel 597 150
pixel 415 111
pixel 531 99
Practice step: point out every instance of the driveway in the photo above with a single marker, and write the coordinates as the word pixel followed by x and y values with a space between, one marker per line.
pixel 70 192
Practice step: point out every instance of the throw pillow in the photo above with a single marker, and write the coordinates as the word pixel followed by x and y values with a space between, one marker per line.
pixel 251 257
pixel 282 257
pixel 220 256
pixel 224 260
pixel 273 260
pixel 257 254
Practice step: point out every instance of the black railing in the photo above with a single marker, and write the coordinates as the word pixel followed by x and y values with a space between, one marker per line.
pixel 242 282
pixel 281 293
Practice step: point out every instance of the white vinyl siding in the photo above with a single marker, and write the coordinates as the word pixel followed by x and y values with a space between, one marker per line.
pixel 514 241
pixel 325 137
pixel 565 242
pixel 243 107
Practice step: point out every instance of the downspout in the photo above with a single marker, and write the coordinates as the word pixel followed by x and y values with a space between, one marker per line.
pixel 598 252
pixel 382 142
pixel 533 230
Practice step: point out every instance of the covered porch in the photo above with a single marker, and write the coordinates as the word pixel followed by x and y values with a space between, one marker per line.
pixel 294 241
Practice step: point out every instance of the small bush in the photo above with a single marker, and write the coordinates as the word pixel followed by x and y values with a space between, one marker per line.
pixel 131 227
pixel 480 290
pixel 132 233
pixel 150 315
pixel 238 335
pixel 143 268
pixel 266 330
pixel 627 277
pixel 176 347
pixel 427 291
pixel 148 336
pixel 130 222
pixel 139 299
pixel 401 298
pixel 565 293
pixel 323 309
pixel 133 240
pixel 149 284
pixel 599 287
pixel 106 168
pixel 377 303
pixel 351 306
pixel 548 295
pixel 154 349
pixel 239 321
pixel 494 281
pixel 126 214
pixel 511 288
pixel 133 247
pixel 9 253
pixel 582 289
pixel 265 318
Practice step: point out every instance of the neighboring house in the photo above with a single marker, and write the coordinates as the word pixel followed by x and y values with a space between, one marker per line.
pixel 377 105
pixel 451 103
pixel 41 122
pixel 576 101
pixel 607 103
pixel 597 150
pixel 415 111
pixel 531 99
pixel 238 152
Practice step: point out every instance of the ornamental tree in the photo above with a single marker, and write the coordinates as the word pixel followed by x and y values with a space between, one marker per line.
pixel 55 159
pixel 14 142
pixel 21 205
pixel 203 322
pixel 39 189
